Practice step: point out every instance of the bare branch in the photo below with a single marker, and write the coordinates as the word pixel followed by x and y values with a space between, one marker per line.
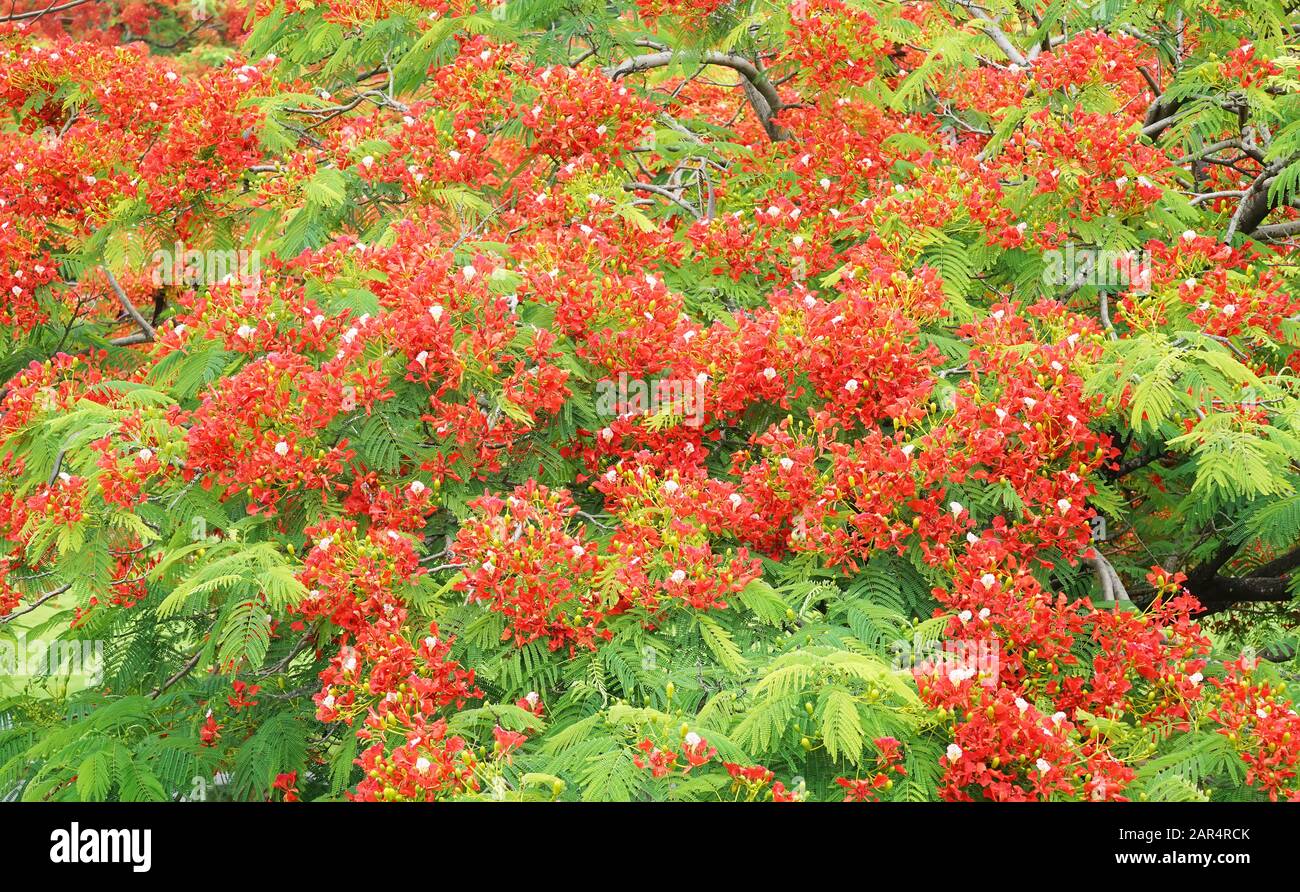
pixel 35 604
pixel 180 673
pixel 129 307
pixel 664 193
pixel 1277 232
pixel 1112 587
pixel 995 32
pixel 762 96
pixel 38 13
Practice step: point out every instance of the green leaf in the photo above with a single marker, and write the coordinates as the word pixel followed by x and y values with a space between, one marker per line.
pixel 327 188
pixel 722 644
pixel 841 727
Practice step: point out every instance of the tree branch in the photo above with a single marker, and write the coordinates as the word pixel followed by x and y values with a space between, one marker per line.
pixel 1162 112
pixel 1276 232
pixel 1112 587
pixel 663 192
pixel 180 673
pixel 1134 464
pixel 38 13
pixel 35 604
pixel 762 96
pixel 1279 566
pixel 1220 593
pixel 129 307
pixel 1212 565
pixel 995 32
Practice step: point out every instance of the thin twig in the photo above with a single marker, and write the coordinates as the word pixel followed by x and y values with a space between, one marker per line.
pixel 35 604
pixel 180 673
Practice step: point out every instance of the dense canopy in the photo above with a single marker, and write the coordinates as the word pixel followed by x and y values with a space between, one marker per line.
pixel 670 399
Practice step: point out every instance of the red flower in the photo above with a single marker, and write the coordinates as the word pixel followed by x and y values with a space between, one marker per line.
pixel 210 733
pixel 287 784
pixel 507 741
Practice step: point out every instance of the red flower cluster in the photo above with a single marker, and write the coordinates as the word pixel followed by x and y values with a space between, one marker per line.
pixel 693 752
pixel 396 688
pixel 1263 727
pixel 888 762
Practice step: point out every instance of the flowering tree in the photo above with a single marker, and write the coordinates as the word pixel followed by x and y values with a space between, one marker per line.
pixel 841 399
